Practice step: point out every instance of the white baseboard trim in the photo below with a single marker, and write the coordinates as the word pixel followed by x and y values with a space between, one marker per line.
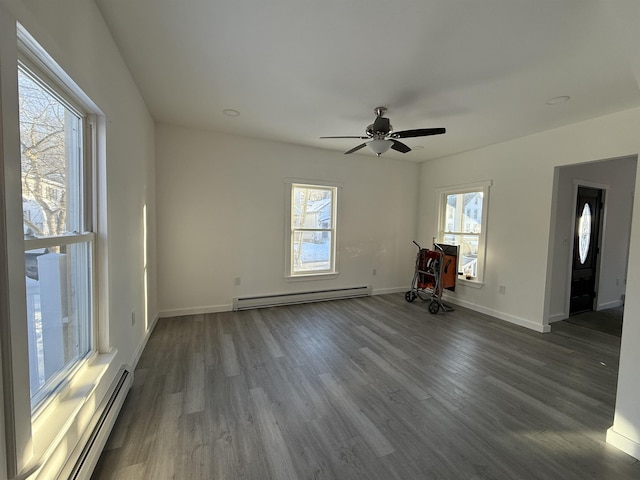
pixel 385 291
pixel 180 312
pixel 607 305
pixel 523 322
pixel 628 446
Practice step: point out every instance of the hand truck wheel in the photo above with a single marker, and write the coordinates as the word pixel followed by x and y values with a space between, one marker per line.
pixel 434 306
pixel 410 296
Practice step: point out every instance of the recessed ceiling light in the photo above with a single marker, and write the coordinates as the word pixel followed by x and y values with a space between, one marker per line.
pixel 230 112
pixel 557 100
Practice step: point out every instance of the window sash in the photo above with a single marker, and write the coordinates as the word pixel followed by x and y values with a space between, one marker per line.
pixel 475 268
pixel 71 333
pixel 68 239
pixel 299 229
pixel 76 173
pixel 296 234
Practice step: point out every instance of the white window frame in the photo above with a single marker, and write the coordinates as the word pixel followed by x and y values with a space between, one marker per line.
pixel 441 219
pixel 36 441
pixel 85 215
pixel 332 271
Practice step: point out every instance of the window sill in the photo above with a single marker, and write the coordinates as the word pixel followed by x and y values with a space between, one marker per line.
pixel 59 426
pixel 311 276
pixel 470 283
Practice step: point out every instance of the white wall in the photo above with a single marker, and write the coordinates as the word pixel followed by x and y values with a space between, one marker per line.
pixel 619 176
pixel 221 215
pixel 75 35
pixel 625 432
pixel 520 207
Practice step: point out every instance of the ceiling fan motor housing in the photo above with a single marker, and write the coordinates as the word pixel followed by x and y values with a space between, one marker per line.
pixel 380 127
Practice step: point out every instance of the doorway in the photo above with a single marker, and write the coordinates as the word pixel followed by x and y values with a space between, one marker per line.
pixel 615 181
pixel 586 249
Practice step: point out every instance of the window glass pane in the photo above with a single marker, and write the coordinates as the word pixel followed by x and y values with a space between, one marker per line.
pixel 469 255
pixel 312 207
pixel 311 251
pixel 461 223
pixel 50 144
pixel 464 212
pixel 58 311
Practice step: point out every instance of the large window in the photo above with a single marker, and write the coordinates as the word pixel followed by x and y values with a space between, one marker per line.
pixel 312 221
pixel 57 209
pixel 463 221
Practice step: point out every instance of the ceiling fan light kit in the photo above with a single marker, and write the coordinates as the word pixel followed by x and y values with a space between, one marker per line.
pixel 382 137
pixel 379 146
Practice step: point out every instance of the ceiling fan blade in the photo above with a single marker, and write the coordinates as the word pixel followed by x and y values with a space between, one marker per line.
pixel 400 147
pixel 362 138
pixel 355 149
pixel 381 125
pixel 420 132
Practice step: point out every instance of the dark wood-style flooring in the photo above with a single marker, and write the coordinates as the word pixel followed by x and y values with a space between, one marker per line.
pixel 371 388
pixel 607 321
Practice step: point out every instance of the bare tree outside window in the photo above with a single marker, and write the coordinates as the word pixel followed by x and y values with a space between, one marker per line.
pixel 44 127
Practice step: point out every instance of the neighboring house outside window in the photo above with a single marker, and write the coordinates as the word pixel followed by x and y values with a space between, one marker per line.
pixel 458 224
pixel 312 229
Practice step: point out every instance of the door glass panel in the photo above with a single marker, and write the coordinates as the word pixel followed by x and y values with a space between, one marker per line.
pixel 584 233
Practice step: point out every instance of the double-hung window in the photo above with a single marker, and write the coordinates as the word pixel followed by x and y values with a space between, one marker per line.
pixel 57 205
pixel 462 221
pixel 312 231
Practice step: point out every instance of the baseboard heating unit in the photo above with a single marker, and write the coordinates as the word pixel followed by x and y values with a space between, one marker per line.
pixel 263 301
pixel 107 415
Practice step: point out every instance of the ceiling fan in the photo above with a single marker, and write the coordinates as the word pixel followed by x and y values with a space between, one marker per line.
pixel 382 137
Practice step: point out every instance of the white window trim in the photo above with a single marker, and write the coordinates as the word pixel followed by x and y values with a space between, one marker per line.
pixel 37 441
pixel 441 193
pixel 289 183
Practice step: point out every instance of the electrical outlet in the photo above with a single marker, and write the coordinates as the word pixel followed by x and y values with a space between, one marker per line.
pixel 237 281
pixel 374 272
pixel 502 289
pixel 133 318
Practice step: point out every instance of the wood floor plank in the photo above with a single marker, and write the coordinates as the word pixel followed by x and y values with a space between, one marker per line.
pixel 410 385
pixel 132 472
pixel 266 335
pixel 369 388
pixel 166 440
pixel 277 452
pixel 229 356
pixel 194 389
pixel 382 342
pixel 370 433
pixel 240 414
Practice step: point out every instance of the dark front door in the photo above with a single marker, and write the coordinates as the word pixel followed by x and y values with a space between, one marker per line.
pixel 585 249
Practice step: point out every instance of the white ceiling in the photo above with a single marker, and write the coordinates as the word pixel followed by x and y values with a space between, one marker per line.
pixel 300 69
